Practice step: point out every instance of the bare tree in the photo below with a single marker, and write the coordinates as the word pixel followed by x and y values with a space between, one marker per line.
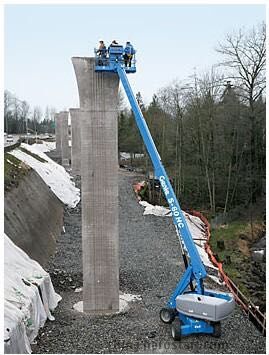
pixel 121 101
pixel 172 99
pixel 37 115
pixel 245 56
pixel 25 108
pixel 7 108
pixel 204 97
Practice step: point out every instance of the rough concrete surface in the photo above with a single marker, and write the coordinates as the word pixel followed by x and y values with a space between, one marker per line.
pixel 99 167
pixel 91 85
pixel 76 141
pixel 58 133
pixel 65 149
pixel 150 266
pixel 33 217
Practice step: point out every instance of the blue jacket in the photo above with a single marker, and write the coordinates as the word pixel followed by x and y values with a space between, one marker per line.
pixel 129 49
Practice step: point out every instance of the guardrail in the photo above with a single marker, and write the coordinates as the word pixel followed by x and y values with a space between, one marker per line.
pixel 104 60
pixel 253 313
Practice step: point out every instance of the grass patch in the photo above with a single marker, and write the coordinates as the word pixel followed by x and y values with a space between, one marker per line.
pixel 37 157
pixel 237 238
pixel 14 170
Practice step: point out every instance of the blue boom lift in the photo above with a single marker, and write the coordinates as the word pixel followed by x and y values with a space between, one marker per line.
pixel 191 308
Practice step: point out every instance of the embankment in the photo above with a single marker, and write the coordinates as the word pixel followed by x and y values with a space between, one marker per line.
pixel 33 216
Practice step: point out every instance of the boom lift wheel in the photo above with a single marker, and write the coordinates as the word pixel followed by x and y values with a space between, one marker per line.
pixel 217 330
pixel 176 329
pixel 167 315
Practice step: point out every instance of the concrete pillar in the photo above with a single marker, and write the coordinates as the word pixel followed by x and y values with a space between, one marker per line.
pixel 76 140
pixel 58 134
pixel 64 138
pixel 98 93
pixel 69 139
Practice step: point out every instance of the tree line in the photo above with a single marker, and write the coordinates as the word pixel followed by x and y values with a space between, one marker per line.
pixel 19 118
pixel 210 129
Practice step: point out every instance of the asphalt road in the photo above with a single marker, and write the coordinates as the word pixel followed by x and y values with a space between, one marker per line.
pixel 150 266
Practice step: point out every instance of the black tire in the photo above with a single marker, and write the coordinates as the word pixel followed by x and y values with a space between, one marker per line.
pixel 167 315
pixel 217 330
pixel 176 330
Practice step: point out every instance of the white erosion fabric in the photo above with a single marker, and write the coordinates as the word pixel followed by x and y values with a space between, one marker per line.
pixel 29 297
pixel 45 146
pixel 196 227
pixel 54 175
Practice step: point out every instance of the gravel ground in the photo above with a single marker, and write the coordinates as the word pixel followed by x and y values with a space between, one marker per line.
pixel 150 266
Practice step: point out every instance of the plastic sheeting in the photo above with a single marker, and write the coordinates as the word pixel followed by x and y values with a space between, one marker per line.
pixel 44 146
pixel 195 224
pixel 29 299
pixel 53 174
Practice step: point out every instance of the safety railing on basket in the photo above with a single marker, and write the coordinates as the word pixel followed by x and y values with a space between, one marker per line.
pixel 102 58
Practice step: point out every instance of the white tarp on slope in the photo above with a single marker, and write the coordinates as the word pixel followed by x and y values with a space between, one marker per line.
pixel 196 227
pixel 44 146
pixel 25 311
pixel 54 175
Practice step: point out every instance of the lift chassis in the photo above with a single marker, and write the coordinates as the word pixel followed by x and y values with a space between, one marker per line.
pixel 191 308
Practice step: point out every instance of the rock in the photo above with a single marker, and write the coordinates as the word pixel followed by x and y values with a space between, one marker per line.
pixel 258 255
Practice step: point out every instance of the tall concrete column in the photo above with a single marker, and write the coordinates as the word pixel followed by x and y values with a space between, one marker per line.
pixel 58 134
pixel 64 138
pixel 69 141
pixel 98 93
pixel 76 141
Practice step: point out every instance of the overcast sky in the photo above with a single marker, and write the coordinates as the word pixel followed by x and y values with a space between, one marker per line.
pixel 171 40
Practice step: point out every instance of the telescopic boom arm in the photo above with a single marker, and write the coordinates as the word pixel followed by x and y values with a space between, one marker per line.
pixel 196 269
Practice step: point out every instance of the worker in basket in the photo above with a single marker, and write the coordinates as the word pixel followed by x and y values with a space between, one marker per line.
pixel 114 43
pixel 128 54
pixel 101 52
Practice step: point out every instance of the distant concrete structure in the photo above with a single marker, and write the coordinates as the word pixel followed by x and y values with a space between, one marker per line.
pixel 58 133
pixel 98 93
pixel 63 115
pixel 69 138
pixel 76 141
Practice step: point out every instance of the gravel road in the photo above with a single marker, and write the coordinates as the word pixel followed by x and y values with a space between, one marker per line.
pixel 150 266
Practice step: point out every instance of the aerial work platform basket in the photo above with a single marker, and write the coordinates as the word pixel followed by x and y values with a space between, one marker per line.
pixel 108 60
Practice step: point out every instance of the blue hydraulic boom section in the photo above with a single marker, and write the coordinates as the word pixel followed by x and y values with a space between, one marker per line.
pixel 195 271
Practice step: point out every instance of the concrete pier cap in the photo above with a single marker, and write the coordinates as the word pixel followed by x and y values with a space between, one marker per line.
pixel 96 90
pixel 98 94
